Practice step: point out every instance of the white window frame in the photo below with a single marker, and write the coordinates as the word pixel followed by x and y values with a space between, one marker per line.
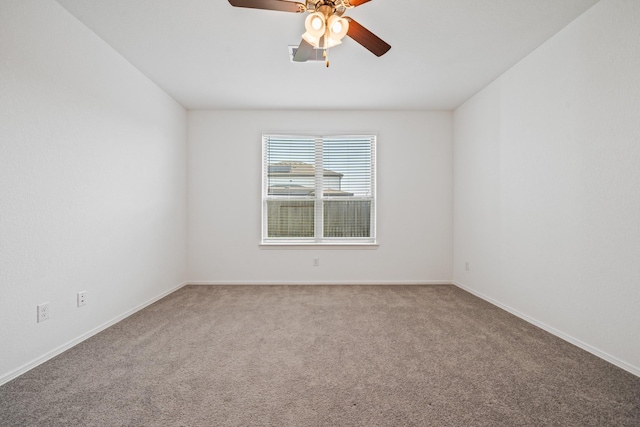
pixel 319 197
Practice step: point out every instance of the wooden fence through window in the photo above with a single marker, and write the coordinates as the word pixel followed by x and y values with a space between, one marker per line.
pixel 342 218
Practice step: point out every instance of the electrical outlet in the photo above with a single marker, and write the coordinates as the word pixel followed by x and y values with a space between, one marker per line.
pixel 82 298
pixel 43 312
pixel 316 262
pixel 466 265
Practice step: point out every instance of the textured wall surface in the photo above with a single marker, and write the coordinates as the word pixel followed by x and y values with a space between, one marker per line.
pixel 546 186
pixel 414 199
pixel 92 183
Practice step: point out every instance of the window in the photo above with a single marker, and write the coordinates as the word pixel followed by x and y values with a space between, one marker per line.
pixel 318 189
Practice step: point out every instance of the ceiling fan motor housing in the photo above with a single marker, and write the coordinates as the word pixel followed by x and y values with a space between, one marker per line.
pixel 328 7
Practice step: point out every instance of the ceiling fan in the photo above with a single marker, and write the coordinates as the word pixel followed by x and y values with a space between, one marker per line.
pixel 325 25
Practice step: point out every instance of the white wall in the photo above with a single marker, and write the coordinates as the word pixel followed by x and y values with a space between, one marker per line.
pixel 92 184
pixel 547 185
pixel 414 158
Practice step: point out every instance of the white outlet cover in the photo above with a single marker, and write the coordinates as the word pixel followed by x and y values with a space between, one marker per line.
pixel 44 312
pixel 82 298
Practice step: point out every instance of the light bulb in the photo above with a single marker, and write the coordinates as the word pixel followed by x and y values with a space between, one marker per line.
pixel 316 23
pixel 337 27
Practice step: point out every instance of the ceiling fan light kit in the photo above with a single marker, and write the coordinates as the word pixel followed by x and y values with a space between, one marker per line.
pixel 325 27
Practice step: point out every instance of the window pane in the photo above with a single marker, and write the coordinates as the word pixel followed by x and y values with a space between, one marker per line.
pixel 290 166
pixel 290 218
pixel 347 166
pixel 348 218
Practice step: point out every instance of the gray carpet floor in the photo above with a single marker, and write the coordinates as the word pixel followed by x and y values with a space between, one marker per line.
pixel 322 356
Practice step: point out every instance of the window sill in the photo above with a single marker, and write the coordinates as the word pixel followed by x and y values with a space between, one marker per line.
pixel 313 245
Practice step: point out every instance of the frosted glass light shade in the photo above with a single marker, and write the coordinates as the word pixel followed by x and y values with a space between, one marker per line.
pixel 331 42
pixel 315 24
pixel 312 40
pixel 338 27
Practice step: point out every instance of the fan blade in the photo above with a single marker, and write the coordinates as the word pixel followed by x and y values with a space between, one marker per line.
pixel 280 5
pixel 304 51
pixel 355 3
pixel 366 38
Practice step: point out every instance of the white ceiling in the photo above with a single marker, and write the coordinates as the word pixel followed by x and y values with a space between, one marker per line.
pixel 209 55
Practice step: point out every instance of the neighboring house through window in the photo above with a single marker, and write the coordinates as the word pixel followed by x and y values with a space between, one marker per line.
pixel 318 189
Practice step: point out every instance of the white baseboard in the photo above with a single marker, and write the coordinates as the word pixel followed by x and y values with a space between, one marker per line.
pixel 596 352
pixel 360 282
pixel 40 360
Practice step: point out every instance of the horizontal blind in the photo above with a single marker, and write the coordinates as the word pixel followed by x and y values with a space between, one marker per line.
pixel 318 189
pixel 351 157
pixel 289 180
pixel 289 164
pixel 348 209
